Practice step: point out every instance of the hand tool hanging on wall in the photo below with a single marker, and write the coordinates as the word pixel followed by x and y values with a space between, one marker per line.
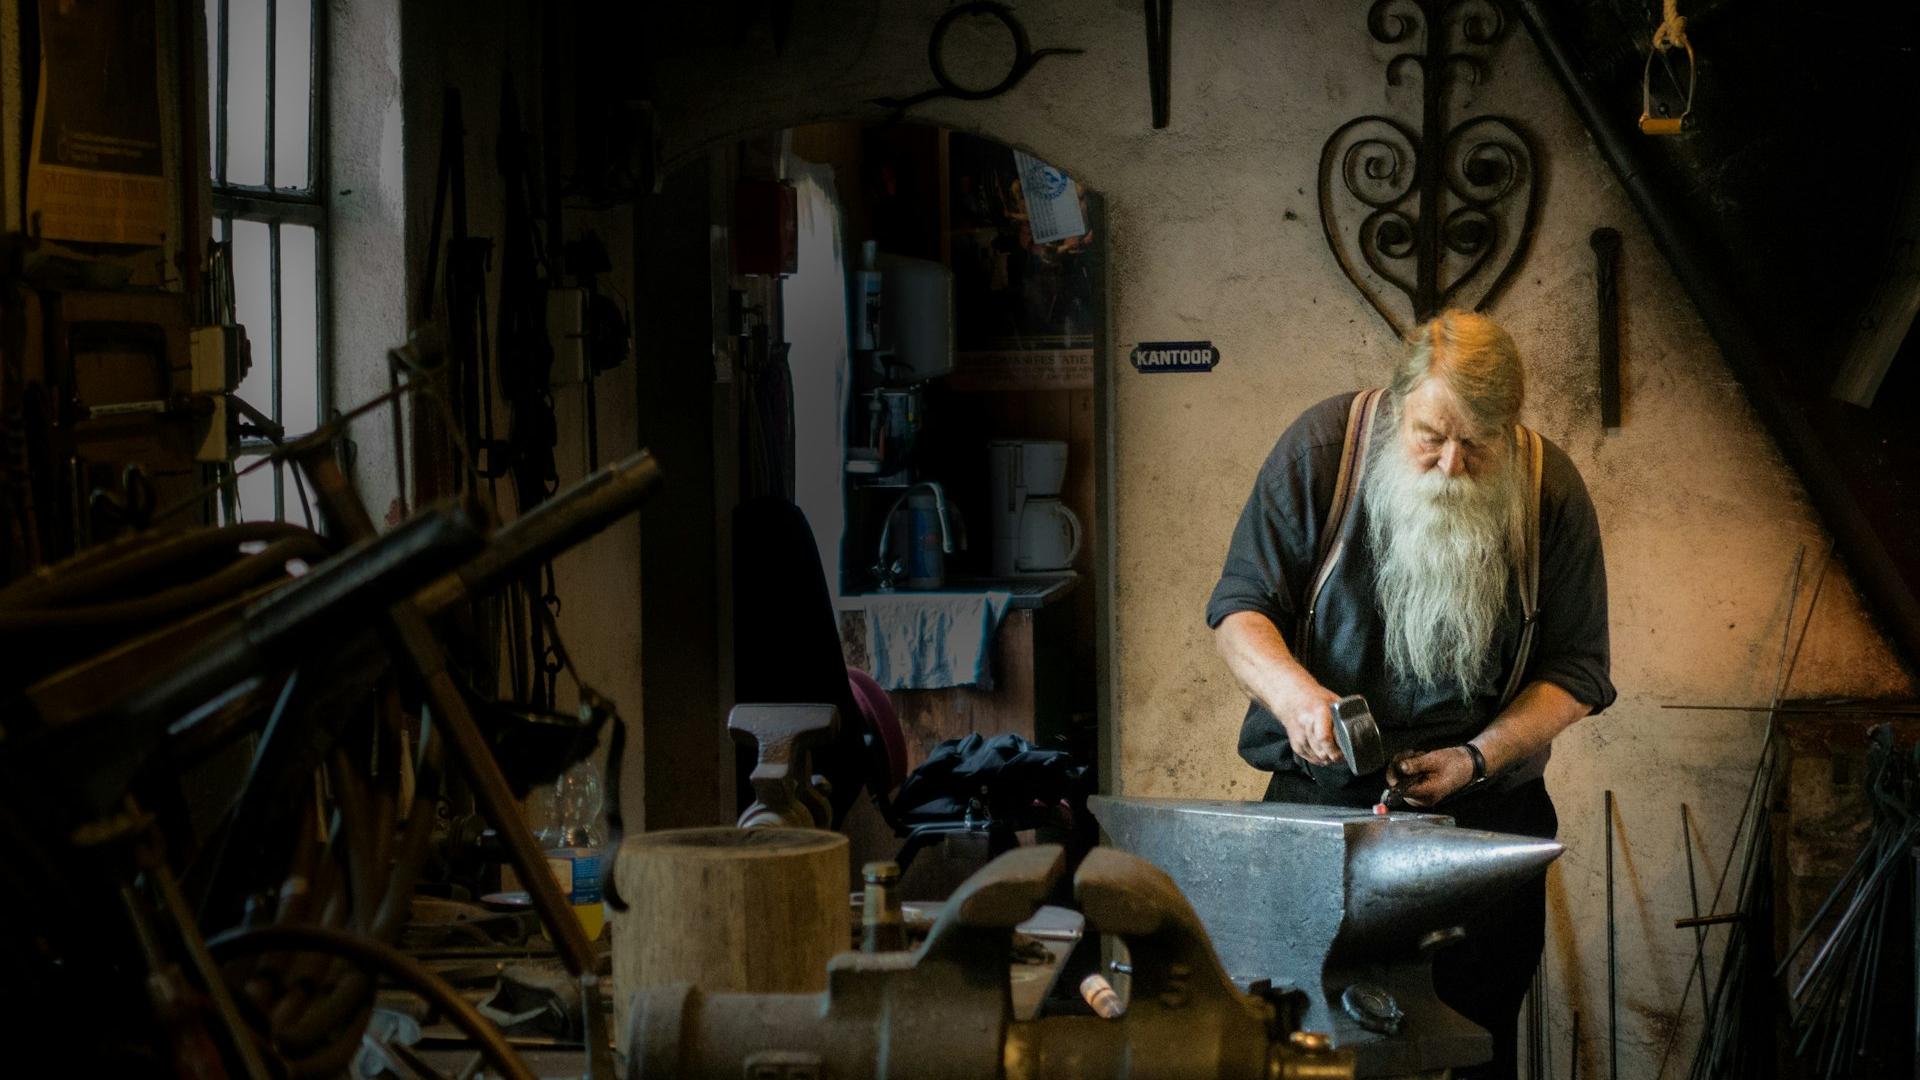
pixel 469 383
pixel 1160 58
pixel 604 337
pixel 525 370
pixel 1606 250
pixel 469 379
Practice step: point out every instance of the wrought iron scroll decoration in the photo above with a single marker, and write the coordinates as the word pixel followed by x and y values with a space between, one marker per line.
pixel 1440 214
pixel 1025 56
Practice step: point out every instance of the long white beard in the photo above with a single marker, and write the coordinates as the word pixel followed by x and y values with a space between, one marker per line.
pixel 1443 547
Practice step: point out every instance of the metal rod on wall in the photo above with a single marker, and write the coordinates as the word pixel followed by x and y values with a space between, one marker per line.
pixel 1613 960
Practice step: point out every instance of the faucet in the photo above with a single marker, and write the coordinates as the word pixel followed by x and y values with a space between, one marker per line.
pixel 885 570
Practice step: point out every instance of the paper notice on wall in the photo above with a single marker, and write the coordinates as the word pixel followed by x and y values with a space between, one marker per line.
pixel 96 170
pixel 1035 369
pixel 1053 200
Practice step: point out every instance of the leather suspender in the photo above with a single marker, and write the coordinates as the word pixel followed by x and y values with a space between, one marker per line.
pixel 1337 533
pixel 1340 517
pixel 1529 443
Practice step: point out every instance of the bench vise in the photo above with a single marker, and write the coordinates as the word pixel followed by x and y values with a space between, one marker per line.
pixel 943 1011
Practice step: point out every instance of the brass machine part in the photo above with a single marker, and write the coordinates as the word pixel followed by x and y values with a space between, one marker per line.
pixel 943 1010
pixel 882 926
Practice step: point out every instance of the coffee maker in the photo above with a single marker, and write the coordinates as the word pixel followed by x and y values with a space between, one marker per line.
pixel 1033 532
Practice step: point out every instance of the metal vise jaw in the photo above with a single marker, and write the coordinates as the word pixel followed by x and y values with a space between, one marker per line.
pixel 944 1011
pixel 1343 905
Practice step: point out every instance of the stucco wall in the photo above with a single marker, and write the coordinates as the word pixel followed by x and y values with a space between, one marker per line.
pixel 1215 234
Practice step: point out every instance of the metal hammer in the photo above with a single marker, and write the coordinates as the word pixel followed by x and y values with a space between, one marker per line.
pixel 1358 735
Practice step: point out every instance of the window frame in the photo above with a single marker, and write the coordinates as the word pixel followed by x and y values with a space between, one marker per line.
pixel 275 206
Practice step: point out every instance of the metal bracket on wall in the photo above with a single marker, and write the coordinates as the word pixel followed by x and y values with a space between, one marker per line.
pixel 1160 58
pixel 1025 56
pixel 1440 214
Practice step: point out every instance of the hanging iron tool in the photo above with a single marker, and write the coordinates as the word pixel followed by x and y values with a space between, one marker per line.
pixel 1606 251
pixel 602 329
pixel 469 385
pixel 525 370
pixel 1160 58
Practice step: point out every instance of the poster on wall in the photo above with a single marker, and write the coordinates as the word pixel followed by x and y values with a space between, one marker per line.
pixel 1015 292
pixel 95 173
pixel 1023 369
pixel 1053 200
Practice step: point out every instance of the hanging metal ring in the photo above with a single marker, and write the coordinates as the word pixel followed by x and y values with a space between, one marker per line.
pixel 1025 56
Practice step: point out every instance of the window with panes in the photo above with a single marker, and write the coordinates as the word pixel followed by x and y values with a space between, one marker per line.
pixel 265 123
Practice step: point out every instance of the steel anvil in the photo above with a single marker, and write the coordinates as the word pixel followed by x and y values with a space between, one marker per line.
pixel 1344 905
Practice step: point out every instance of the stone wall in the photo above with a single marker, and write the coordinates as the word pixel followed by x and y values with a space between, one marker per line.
pixel 1215 234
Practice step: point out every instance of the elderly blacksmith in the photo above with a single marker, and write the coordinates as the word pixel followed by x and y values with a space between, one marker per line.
pixel 1393 546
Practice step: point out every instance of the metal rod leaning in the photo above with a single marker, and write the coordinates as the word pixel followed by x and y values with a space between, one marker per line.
pixel 1613 964
pixel 1693 896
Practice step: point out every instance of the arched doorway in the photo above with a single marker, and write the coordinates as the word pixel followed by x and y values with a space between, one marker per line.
pixel 988 347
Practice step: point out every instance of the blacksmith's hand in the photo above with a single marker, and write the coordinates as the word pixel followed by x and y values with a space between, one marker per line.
pixel 1307 714
pixel 1423 778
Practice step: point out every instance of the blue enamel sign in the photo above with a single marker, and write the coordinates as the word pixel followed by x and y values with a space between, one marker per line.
pixel 1157 356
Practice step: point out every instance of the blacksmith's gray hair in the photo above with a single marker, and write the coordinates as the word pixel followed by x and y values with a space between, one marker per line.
pixel 1476 360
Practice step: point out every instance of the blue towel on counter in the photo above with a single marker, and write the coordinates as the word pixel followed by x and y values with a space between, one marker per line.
pixel 933 640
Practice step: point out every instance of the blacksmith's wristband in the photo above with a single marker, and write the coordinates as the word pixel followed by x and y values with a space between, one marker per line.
pixel 1479 765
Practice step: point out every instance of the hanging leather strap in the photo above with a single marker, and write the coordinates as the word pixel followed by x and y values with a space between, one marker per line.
pixel 1529 444
pixel 1340 517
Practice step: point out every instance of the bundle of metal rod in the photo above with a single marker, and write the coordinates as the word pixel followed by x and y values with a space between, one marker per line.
pixel 1737 1038
pixel 1539 1035
pixel 1739 1016
pixel 1834 1003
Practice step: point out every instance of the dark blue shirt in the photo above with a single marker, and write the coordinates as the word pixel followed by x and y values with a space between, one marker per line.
pixel 1272 559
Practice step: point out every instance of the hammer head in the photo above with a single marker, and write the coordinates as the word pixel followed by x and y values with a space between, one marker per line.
pixel 1358 735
